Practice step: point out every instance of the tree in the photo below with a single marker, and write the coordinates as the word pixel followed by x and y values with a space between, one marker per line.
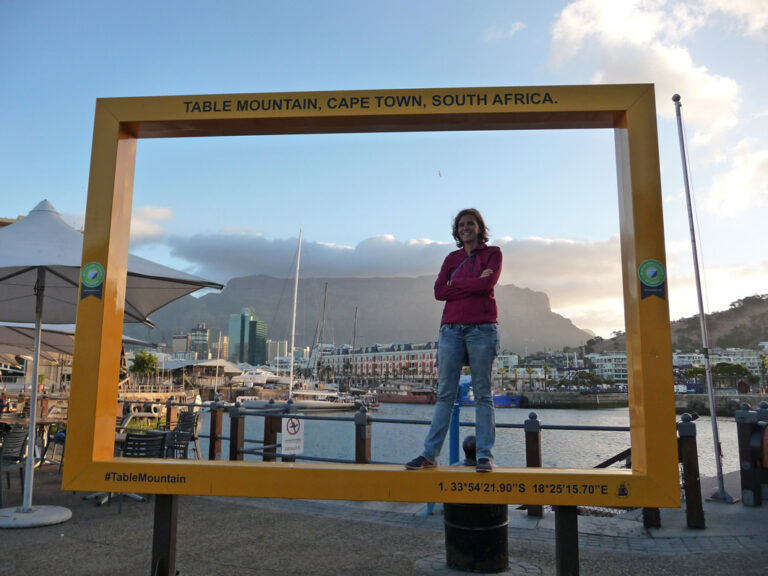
pixel 734 372
pixel 592 342
pixel 529 370
pixel 144 363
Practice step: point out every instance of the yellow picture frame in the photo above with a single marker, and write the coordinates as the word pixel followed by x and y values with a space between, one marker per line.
pixel 628 109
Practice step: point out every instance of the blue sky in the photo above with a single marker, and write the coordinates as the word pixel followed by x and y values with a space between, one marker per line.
pixel 382 204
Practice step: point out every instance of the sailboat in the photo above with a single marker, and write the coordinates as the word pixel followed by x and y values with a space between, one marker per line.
pixel 303 400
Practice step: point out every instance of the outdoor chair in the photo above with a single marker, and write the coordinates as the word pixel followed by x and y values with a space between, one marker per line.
pixel 177 444
pixel 12 455
pixel 122 422
pixel 55 440
pixel 188 422
pixel 141 446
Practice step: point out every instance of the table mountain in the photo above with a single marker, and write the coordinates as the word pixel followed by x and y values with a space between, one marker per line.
pixel 389 310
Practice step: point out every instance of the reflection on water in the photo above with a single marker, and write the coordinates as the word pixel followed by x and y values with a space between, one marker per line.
pixel 562 449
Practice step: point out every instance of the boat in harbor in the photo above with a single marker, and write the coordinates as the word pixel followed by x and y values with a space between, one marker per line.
pixel 304 401
pixel 254 377
pixel 505 400
pixel 391 395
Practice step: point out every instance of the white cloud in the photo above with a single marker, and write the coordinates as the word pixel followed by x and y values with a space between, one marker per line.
pixel 744 185
pixel 582 279
pixel 752 15
pixel 495 33
pixel 145 224
pixel 635 41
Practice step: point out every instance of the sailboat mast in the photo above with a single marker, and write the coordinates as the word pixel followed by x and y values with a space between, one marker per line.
pixel 322 316
pixel 218 359
pixel 354 343
pixel 293 322
pixel 319 361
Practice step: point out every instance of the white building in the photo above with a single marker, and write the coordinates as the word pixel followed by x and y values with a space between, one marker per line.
pixel 748 358
pixel 610 366
pixel 276 348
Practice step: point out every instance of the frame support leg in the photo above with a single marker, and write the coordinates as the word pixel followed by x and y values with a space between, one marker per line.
pixel 164 535
pixel 567 540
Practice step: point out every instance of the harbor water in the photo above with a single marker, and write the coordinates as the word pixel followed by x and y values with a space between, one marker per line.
pixel 398 443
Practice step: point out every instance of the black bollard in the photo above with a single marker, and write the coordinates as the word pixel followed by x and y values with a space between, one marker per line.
pixel 762 422
pixel 746 426
pixel 476 538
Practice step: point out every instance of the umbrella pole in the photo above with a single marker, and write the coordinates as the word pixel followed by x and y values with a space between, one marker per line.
pixel 26 516
pixel 32 442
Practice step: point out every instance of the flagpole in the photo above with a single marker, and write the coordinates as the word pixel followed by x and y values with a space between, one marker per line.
pixel 721 494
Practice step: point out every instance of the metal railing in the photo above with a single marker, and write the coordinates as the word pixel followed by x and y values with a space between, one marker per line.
pixel 268 447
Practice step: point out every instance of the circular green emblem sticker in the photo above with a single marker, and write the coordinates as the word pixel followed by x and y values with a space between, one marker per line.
pixel 92 274
pixel 652 273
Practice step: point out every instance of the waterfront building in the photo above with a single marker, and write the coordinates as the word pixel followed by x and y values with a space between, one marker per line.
pixel 276 348
pixel 247 338
pixel 531 377
pixel 414 362
pixel 218 347
pixel 180 344
pixel 610 366
pixel 684 360
pixel 282 365
pixel 747 358
pixel 198 341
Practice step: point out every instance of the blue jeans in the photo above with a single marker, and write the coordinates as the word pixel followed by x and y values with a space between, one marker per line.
pixel 478 342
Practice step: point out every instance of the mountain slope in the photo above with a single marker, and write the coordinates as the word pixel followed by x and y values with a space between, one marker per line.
pixel 743 325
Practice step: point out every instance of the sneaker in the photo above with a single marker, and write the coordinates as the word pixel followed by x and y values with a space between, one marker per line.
pixel 419 463
pixel 484 465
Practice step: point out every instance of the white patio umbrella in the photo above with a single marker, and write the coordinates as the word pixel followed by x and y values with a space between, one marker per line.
pixel 40 258
pixel 19 339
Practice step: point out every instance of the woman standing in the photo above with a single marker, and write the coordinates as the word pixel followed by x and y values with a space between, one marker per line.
pixel 468 331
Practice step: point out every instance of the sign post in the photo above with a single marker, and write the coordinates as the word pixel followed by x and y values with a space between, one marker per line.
pixel 293 435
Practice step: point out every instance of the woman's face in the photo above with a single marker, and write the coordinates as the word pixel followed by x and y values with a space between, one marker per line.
pixel 468 229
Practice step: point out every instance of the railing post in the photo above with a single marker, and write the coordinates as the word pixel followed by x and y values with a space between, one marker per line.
pixel 746 426
pixel 214 442
pixel 532 429
pixel 567 540
pixel 236 432
pixel 453 431
pixel 171 412
pixel 272 426
pixel 164 535
pixel 289 409
pixel 689 457
pixel 762 419
pixel 362 436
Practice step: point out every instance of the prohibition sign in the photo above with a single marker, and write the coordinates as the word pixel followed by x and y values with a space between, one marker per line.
pixel 293 436
pixel 293 426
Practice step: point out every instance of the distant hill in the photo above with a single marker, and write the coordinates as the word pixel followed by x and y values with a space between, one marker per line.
pixel 389 310
pixel 743 325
